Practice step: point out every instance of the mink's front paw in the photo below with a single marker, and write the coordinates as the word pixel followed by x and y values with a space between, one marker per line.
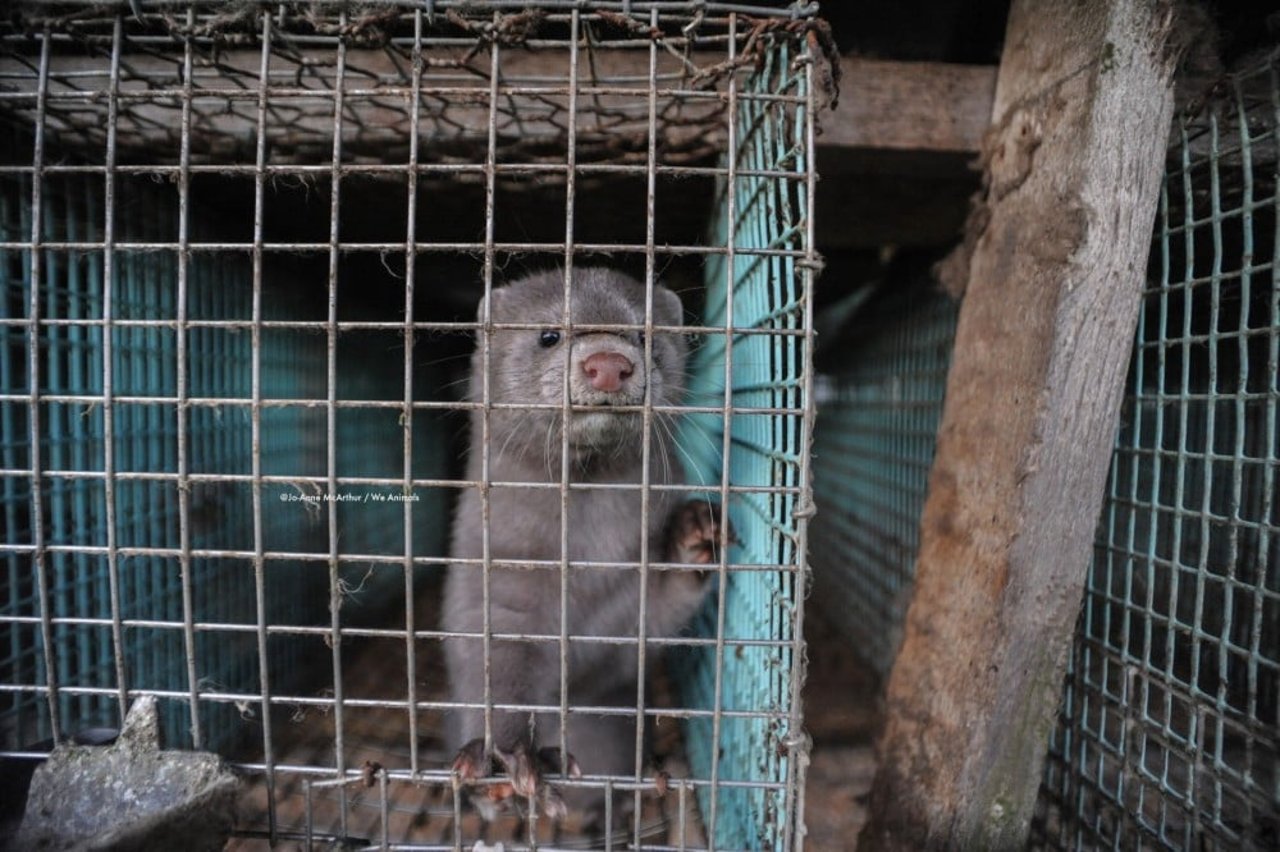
pixel 695 533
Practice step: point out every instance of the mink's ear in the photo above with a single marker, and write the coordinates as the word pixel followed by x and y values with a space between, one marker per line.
pixel 496 295
pixel 667 308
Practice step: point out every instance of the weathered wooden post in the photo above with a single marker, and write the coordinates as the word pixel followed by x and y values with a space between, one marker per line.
pixel 1053 268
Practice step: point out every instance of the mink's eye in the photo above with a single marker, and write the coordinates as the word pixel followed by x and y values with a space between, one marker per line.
pixel 641 338
pixel 548 339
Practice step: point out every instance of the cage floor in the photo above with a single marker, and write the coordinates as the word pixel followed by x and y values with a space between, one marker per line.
pixel 417 814
pixel 841 714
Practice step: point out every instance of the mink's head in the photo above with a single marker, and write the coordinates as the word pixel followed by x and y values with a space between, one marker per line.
pixel 606 367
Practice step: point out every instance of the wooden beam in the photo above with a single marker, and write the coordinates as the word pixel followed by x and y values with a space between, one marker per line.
pixel 910 106
pixel 1082 109
pixel 896 157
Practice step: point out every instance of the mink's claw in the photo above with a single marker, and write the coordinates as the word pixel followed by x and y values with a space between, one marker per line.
pixel 520 767
pixel 471 762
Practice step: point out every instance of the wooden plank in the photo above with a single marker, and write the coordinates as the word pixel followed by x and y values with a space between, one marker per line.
pixel 896 155
pixel 1083 105
pixel 910 106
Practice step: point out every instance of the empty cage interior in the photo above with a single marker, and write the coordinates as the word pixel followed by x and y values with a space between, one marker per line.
pixel 242 250
pixel 1170 728
pixel 882 377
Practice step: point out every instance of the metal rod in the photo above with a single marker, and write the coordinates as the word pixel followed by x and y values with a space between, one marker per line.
pixel 374 632
pixel 726 449
pixel 368 325
pixel 184 484
pixel 566 323
pixel 435 248
pixel 485 344
pixel 646 449
pixel 39 559
pixel 331 423
pixel 229 402
pixel 259 550
pixel 391 482
pixel 108 375
pixel 797 743
pixel 442 170
pixel 406 416
pixel 304 556
pixel 233 95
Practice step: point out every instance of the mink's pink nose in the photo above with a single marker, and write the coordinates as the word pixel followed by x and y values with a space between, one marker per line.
pixel 607 370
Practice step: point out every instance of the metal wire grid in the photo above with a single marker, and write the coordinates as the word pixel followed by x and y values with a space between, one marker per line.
pixel 73 439
pixel 767 372
pixel 874 446
pixel 1168 734
pixel 768 258
pixel 148 489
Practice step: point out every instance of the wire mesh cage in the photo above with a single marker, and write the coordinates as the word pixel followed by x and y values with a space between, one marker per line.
pixel 1169 729
pixel 242 247
pixel 879 410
